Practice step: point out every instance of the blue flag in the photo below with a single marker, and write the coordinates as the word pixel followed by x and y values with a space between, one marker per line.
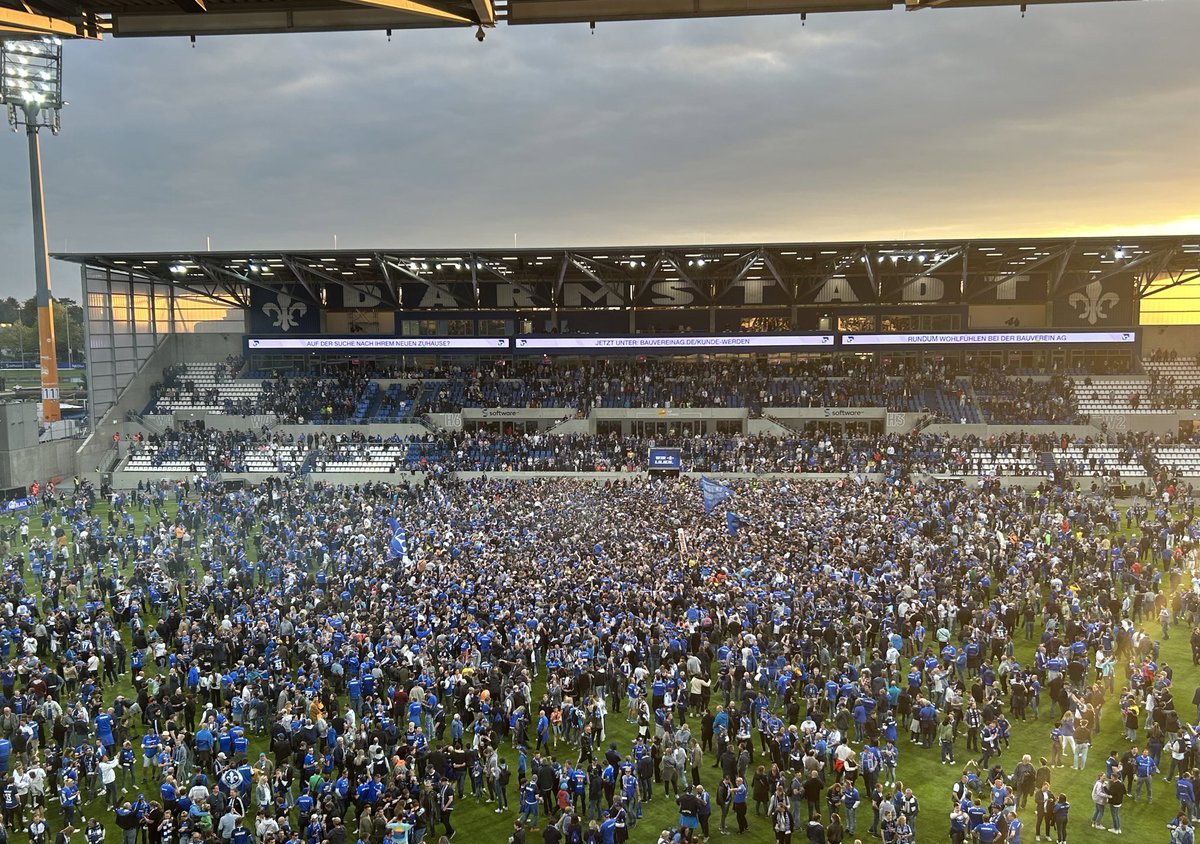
pixel 732 522
pixel 714 493
pixel 396 546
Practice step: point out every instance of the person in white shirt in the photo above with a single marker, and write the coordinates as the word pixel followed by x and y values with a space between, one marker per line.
pixel 37 784
pixel 108 778
pixel 265 825
pixel 198 793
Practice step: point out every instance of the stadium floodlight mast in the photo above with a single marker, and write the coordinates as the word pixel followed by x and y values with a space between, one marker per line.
pixel 31 88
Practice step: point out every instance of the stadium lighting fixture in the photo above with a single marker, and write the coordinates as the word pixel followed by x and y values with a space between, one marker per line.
pixel 31 88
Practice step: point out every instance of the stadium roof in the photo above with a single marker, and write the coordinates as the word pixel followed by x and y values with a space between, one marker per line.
pixel 132 18
pixel 1067 264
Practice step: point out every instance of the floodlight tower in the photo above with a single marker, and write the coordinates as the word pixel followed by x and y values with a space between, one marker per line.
pixel 31 87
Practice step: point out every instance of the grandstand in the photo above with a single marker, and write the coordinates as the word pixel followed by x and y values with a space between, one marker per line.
pixel 784 357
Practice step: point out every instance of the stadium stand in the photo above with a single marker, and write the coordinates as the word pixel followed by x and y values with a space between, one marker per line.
pixel 1085 458
pixel 192 449
pixel 357 398
pixel 209 386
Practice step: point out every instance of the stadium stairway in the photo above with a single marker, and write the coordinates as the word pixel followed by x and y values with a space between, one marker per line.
pixel 429 391
pixel 368 405
pixel 391 407
pixel 1047 458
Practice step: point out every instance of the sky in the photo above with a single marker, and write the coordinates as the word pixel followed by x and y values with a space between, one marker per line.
pixel 1079 118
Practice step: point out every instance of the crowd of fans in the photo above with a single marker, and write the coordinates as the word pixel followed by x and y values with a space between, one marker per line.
pixel 733 382
pixel 817 451
pixel 736 382
pixel 966 391
pixel 213 450
pixel 405 654
pixel 321 400
pixel 1039 401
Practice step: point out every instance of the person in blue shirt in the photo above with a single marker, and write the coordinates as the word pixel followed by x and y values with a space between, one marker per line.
pixel 150 746
pixel 1015 825
pixel 986 831
pixel 68 798
pixel 543 732
pixel 169 793
pixel 529 804
pixel 740 793
pixel 415 709
pixel 852 799
pixel 1144 769
pixel 958 824
pixel 608 831
pixel 1185 793
pixel 240 835
pixel 104 729
pixel 1062 809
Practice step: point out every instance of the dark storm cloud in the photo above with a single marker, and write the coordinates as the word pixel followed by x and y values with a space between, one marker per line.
pixel 868 125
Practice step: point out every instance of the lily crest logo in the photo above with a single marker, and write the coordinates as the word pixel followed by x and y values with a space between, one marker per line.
pixel 1093 303
pixel 285 311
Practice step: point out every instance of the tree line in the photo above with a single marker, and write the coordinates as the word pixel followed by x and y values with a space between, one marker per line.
pixel 19 331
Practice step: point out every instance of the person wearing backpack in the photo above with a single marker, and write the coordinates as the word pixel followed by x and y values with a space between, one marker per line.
pixel 1181 830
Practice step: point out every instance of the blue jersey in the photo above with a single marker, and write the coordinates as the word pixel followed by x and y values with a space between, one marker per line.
pixel 104 728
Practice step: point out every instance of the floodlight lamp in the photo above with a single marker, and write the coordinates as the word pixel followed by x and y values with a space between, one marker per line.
pixel 31 82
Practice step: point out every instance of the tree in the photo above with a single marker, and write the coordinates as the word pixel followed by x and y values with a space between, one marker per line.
pixel 19 336
pixel 68 328
pixel 10 310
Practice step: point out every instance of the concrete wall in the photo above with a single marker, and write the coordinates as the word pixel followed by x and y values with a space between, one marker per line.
pixel 997 316
pixel 575 425
pixel 769 427
pixel 840 414
pixel 216 420
pixel 208 347
pixel 446 421
pixel 41 462
pixel 1184 339
pixel 1153 423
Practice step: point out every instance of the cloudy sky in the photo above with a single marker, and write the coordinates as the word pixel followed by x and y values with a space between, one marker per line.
pixel 1081 118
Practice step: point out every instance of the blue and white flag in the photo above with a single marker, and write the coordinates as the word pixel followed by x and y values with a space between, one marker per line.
pixel 396 546
pixel 714 493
